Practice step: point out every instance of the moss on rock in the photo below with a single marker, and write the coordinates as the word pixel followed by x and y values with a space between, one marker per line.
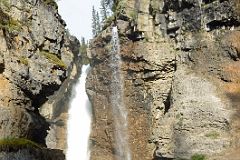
pixel 14 144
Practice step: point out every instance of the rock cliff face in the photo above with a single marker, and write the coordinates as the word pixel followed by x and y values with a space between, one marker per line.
pixel 180 65
pixel 36 55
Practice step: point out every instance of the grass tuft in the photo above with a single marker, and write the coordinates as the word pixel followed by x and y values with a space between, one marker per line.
pixel 8 23
pixel 23 60
pixel 212 135
pixel 53 59
pixel 198 157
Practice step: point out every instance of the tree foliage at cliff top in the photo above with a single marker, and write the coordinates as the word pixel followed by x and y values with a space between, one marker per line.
pixel 107 15
pixel 83 51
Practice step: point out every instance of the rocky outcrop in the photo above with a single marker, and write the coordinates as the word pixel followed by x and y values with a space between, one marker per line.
pixel 27 154
pixel 55 110
pixel 180 62
pixel 36 56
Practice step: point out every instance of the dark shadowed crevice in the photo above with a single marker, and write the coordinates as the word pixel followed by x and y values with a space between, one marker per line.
pixel 136 36
pixel 218 24
pixel 208 1
pixel 186 5
pixel 167 103
pixel 2 67
pixel 211 1
pixel 221 1
pixel 38 127
pixel 40 98
pixel 174 5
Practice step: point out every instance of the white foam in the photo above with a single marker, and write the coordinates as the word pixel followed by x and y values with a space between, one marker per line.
pixel 115 29
pixel 79 123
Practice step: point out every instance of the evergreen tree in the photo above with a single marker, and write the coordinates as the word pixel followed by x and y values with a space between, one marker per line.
pixel 83 51
pixel 98 24
pixel 109 4
pixel 94 22
pixel 83 45
pixel 104 10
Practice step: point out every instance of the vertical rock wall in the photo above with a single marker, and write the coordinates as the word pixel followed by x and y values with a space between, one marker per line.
pixel 180 68
pixel 36 56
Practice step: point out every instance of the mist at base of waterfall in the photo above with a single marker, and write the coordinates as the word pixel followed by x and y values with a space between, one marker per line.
pixel 79 122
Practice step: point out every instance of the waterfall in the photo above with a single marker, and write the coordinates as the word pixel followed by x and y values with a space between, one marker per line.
pixel 120 112
pixel 79 123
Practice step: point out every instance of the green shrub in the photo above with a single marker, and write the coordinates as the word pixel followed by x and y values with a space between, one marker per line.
pixel 212 135
pixel 198 157
pixel 108 22
pixel 14 25
pixel 53 59
pixel 9 144
pixel 23 60
pixel 8 23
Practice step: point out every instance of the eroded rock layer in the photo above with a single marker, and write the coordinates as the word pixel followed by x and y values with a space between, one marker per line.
pixel 180 62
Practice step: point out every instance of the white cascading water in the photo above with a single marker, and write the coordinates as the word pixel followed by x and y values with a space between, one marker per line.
pixel 79 122
pixel 119 110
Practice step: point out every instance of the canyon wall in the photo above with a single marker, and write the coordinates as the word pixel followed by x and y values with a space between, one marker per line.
pixel 180 65
pixel 37 54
